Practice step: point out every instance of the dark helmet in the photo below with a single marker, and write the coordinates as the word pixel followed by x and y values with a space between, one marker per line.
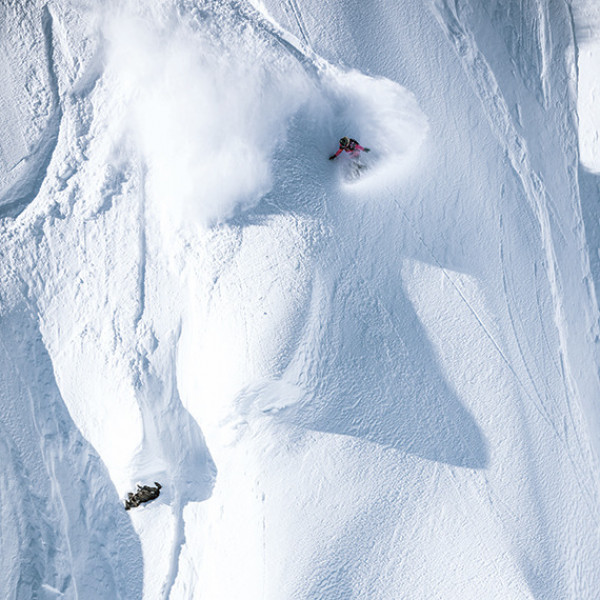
pixel 344 142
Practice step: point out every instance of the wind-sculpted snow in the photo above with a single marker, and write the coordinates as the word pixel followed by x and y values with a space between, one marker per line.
pixel 63 533
pixel 586 25
pixel 586 22
pixel 380 387
pixel 30 129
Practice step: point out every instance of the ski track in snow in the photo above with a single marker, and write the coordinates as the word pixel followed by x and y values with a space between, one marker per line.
pixel 340 399
pixel 517 153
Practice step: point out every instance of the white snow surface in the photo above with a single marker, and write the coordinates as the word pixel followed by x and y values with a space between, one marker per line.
pixel 384 387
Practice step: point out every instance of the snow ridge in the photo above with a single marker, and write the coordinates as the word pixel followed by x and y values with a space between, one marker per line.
pixel 33 166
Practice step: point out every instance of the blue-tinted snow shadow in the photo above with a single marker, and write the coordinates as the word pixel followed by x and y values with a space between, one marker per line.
pixel 589 192
pixel 375 375
pixel 78 538
pixel 378 379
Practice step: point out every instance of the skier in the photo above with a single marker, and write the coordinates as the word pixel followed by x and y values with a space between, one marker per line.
pixel 144 493
pixel 349 145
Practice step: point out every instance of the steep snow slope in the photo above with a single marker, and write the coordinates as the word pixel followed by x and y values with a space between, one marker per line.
pixel 586 20
pixel 380 388
pixel 30 104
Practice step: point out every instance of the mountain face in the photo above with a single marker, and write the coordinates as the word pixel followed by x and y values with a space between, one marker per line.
pixel 371 377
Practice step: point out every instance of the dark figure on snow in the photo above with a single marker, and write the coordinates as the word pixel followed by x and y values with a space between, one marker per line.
pixel 349 145
pixel 144 493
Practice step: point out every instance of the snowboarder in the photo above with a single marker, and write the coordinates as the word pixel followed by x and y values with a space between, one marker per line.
pixel 349 145
pixel 144 493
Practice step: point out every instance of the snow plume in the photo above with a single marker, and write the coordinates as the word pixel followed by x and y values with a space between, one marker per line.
pixel 208 102
pixel 381 114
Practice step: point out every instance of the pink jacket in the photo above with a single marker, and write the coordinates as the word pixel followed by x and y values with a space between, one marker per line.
pixel 353 147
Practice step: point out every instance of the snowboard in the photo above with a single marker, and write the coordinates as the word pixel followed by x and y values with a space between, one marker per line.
pixel 356 167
